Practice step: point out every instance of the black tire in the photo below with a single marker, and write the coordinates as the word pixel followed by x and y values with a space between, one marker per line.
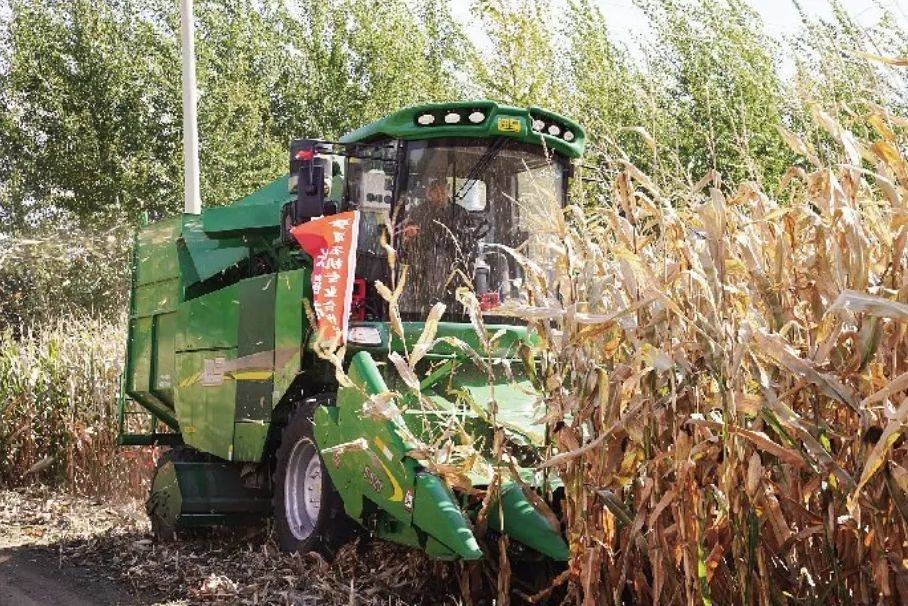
pixel 328 530
pixel 163 527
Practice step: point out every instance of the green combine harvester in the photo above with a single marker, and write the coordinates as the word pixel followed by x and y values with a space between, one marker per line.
pixel 222 365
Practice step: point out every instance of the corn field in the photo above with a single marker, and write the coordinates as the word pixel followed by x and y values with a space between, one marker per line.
pixel 726 381
pixel 58 390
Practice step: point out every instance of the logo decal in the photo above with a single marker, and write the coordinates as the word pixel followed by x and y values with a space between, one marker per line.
pixel 507 124
pixel 372 479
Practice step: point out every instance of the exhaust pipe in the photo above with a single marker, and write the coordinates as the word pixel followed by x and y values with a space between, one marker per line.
pixel 192 200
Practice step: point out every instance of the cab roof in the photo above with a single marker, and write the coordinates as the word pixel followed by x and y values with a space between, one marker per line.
pixel 481 118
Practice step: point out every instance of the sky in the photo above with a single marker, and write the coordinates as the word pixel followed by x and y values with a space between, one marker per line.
pixel 779 16
pixel 627 23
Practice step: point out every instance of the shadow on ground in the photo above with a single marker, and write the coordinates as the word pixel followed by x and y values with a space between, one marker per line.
pixel 36 574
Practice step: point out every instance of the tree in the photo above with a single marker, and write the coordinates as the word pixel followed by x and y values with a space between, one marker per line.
pixel 352 61
pixel 92 127
pixel 522 64
pixel 607 93
pixel 723 89
pixel 94 135
pixel 830 73
pixel 240 52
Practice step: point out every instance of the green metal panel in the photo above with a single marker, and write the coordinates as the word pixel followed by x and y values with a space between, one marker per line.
pixel 205 400
pixel 379 472
pixel 209 321
pixel 255 348
pixel 435 549
pixel 205 257
pixel 157 297
pixel 164 342
pixel 248 440
pixel 390 529
pixel 139 369
pixel 290 324
pixel 516 401
pixel 183 390
pixel 276 192
pixel 519 519
pixel 207 350
pixel 435 511
pixel 498 122
pixel 226 219
pixel 155 255
pixel 328 433
pixel 139 379
pixel 186 494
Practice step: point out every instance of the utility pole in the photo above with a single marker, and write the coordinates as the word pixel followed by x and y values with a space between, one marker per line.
pixel 192 200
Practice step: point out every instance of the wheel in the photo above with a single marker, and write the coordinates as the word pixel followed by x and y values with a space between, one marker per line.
pixel 308 513
pixel 163 504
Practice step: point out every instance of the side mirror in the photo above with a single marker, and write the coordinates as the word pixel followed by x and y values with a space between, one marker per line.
pixel 307 173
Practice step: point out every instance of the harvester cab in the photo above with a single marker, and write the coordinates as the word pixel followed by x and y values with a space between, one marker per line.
pixel 230 311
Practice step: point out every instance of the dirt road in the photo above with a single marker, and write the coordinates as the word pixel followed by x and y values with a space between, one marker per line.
pixel 34 576
pixel 33 570
pixel 64 551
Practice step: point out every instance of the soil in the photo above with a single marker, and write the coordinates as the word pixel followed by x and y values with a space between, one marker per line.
pixel 34 576
pixel 69 551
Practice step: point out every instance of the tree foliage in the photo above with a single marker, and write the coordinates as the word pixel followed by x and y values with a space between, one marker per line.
pixel 94 131
pixel 722 90
pixel 93 126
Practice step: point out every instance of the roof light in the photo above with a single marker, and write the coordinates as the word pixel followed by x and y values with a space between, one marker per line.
pixel 568 136
pixel 425 119
pixel 538 125
pixel 452 118
pixel 477 117
pixel 554 130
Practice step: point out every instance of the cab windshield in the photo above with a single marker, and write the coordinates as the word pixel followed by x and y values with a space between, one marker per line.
pixel 459 199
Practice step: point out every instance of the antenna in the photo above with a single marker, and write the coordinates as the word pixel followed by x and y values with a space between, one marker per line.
pixel 192 200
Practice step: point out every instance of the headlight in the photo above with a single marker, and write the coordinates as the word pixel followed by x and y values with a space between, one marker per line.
pixel 538 125
pixel 568 136
pixel 477 117
pixel 554 130
pixel 425 119
pixel 452 118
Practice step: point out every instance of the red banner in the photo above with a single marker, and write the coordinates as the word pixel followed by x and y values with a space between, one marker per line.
pixel 331 242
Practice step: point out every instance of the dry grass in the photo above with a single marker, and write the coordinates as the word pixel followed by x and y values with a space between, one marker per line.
pixel 58 394
pixel 725 379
